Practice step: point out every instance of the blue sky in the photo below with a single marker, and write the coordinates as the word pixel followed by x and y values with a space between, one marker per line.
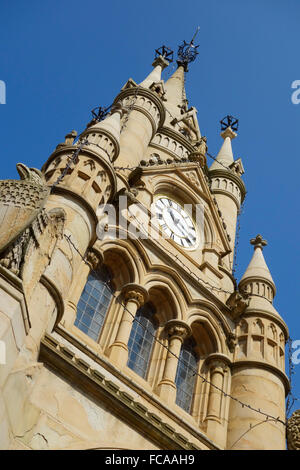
pixel 60 59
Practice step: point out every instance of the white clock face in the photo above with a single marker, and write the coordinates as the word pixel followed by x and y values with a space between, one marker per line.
pixel 175 222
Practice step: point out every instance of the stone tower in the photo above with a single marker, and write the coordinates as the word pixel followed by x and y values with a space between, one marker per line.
pixel 121 323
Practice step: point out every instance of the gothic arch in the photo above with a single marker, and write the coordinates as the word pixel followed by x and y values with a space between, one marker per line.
pixel 123 263
pixel 205 336
pixel 166 291
pixel 217 326
pixel 183 192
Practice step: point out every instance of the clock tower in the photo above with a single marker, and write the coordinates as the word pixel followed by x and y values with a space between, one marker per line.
pixel 123 323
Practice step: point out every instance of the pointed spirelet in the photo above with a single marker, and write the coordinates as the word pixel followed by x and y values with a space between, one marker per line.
pixel 175 92
pixel 159 64
pixel 257 280
pixel 225 155
pixel 258 267
pixel 106 133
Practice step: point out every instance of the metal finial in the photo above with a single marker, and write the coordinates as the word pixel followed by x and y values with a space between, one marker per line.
pixel 258 242
pixel 100 113
pixel 165 52
pixel 187 52
pixel 229 121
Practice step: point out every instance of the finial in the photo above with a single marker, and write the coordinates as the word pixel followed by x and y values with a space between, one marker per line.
pixel 98 113
pixel 187 52
pixel 165 52
pixel 229 121
pixel 258 242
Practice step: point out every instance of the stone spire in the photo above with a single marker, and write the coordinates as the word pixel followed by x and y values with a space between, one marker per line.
pixel 159 64
pixel 175 92
pixel 225 155
pixel 257 280
pixel 258 268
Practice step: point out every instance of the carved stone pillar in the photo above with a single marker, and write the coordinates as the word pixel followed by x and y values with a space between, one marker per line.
pixel 94 260
pixel 134 297
pixel 218 365
pixel 178 331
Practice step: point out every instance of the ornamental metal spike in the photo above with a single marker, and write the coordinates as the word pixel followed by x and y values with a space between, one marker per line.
pixel 187 52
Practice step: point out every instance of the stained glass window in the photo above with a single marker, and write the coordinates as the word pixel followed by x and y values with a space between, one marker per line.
pixel 94 302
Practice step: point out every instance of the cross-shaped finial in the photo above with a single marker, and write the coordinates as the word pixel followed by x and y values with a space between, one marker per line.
pixel 229 121
pixel 258 242
pixel 165 52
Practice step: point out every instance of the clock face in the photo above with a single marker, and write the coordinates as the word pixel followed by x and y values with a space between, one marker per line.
pixel 175 222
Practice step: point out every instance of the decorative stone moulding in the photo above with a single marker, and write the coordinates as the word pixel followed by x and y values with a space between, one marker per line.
pixel 146 101
pixel 227 182
pixel 135 293
pixel 171 145
pixel 20 203
pixel 178 329
pixel 293 431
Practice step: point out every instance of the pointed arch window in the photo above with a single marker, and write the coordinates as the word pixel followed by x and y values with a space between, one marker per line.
pixel 185 375
pixel 94 303
pixel 141 340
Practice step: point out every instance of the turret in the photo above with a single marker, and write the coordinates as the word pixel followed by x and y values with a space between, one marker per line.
pixel 80 176
pixel 145 113
pixel 258 377
pixel 226 183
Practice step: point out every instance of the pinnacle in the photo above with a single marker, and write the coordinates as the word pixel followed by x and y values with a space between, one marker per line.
pixel 175 92
pixel 159 64
pixel 257 267
pixel 225 155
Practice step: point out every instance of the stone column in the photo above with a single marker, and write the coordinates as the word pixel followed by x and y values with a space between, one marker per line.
pixel 94 260
pixel 178 331
pixel 134 297
pixel 218 365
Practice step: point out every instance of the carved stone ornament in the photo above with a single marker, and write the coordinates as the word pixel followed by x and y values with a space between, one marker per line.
pixel 293 431
pixel 129 194
pixel 41 236
pixel 20 202
pixel 231 341
pixel 94 259
pixel 200 151
pixel 179 329
pixel 237 302
pixel 218 362
pixel 135 293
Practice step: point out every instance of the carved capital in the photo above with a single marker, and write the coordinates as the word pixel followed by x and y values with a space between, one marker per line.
pixel 293 431
pixel 178 329
pixel 135 293
pixel 94 258
pixel 218 363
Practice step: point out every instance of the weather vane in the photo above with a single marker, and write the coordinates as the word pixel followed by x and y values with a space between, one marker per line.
pixel 187 52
